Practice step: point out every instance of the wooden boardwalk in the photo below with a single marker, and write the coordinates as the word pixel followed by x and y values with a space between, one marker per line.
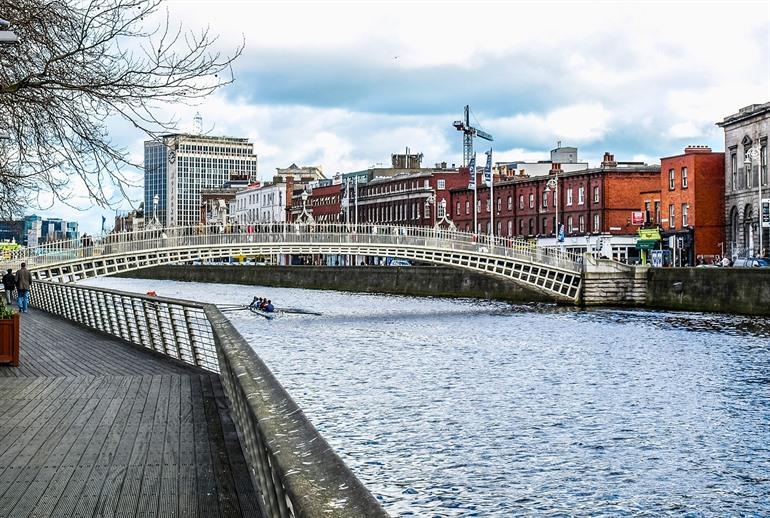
pixel 93 427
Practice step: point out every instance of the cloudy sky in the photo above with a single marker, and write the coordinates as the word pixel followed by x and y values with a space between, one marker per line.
pixel 344 85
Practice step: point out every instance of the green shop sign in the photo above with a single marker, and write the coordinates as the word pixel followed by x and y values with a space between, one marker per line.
pixel 646 244
pixel 648 239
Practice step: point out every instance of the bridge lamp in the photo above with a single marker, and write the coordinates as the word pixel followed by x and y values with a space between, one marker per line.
pixel 305 217
pixel 552 185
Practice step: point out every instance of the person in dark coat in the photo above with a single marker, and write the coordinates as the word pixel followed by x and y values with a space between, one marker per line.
pixel 23 284
pixel 9 283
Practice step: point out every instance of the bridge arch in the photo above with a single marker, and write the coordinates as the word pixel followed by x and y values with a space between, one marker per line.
pixel 548 270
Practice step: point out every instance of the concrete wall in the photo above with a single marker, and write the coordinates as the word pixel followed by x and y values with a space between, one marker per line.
pixel 610 283
pixel 724 290
pixel 415 280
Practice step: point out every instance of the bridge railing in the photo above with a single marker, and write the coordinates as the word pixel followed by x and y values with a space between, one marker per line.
pixel 199 236
pixel 297 472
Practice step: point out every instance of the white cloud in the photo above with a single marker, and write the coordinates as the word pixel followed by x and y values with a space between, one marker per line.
pixel 685 129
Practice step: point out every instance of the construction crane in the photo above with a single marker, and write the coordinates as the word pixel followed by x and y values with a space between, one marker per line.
pixel 468 133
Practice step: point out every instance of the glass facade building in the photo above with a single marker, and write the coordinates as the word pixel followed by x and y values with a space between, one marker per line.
pixel 178 167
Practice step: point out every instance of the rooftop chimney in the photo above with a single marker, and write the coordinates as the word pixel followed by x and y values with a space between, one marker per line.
pixel 691 150
pixel 609 160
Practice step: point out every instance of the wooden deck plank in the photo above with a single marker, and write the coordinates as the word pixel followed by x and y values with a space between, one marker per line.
pixel 95 427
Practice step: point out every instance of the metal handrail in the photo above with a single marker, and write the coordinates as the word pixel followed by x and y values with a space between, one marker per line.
pixel 296 471
pixel 64 252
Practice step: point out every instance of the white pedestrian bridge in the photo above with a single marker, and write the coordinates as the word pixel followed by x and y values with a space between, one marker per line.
pixel 549 270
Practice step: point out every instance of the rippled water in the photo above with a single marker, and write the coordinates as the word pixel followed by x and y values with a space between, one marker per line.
pixel 472 408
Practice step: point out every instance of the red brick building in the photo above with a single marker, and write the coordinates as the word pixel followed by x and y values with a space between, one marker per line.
pixel 692 194
pixel 590 202
pixel 324 202
pixel 598 200
pixel 413 199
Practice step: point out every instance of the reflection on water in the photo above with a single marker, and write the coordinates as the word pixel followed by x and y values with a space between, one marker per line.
pixel 473 408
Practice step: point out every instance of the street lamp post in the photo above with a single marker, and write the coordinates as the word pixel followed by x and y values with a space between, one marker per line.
pixel 751 156
pixel 553 185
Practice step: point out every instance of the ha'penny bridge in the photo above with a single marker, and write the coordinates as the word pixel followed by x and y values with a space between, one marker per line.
pixel 551 271
pixel 131 405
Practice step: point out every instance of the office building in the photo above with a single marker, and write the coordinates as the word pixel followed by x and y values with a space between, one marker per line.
pixel 178 167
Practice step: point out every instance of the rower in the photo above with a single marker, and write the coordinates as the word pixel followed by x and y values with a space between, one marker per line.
pixel 269 307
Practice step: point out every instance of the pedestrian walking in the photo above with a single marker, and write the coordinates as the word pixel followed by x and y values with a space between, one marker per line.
pixel 23 285
pixel 9 283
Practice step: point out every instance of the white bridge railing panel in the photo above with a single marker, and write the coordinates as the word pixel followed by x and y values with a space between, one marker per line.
pixel 550 270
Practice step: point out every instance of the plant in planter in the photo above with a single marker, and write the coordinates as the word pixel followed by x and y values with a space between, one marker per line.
pixel 9 334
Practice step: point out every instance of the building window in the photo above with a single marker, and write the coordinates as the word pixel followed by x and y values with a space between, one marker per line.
pixel 596 222
pixel 671 179
pixel 569 196
pixel 657 213
pixel 763 163
pixel 521 227
pixel 684 178
pixel 531 227
pixel 581 195
pixel 596 194
pixel 570 227
pixel 671 216
pixel 582 223
pixel 510 227
pixel 441 184
pixel 499 205
pixel 521 201
pixel 531 200
pixel 734 170
pixel 478 208
pixel 458 208
pixel 684 215
pixel 510 202
pixel 545 226
pixel 467 206
pixel 499 228
pixel 488 204
pixel 748 170
pixel 545 199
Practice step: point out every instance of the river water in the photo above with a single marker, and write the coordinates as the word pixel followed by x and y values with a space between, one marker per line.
pixel 474 408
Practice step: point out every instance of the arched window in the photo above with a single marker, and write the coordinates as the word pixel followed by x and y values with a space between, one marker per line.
pixel 510 202
pixel 748 231
pixel 732 229
pixel 510 227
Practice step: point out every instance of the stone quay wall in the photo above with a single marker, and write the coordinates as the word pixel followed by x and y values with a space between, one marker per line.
pixel 437 281
pixel 724 290
pixel 605 283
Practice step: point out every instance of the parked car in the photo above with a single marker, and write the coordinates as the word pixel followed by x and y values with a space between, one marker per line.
pixel 400 262
pixel 756 262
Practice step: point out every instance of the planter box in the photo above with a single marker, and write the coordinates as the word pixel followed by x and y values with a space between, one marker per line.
pixel 9 340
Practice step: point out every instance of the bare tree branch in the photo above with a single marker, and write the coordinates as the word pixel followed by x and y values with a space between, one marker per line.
pixel 78 63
